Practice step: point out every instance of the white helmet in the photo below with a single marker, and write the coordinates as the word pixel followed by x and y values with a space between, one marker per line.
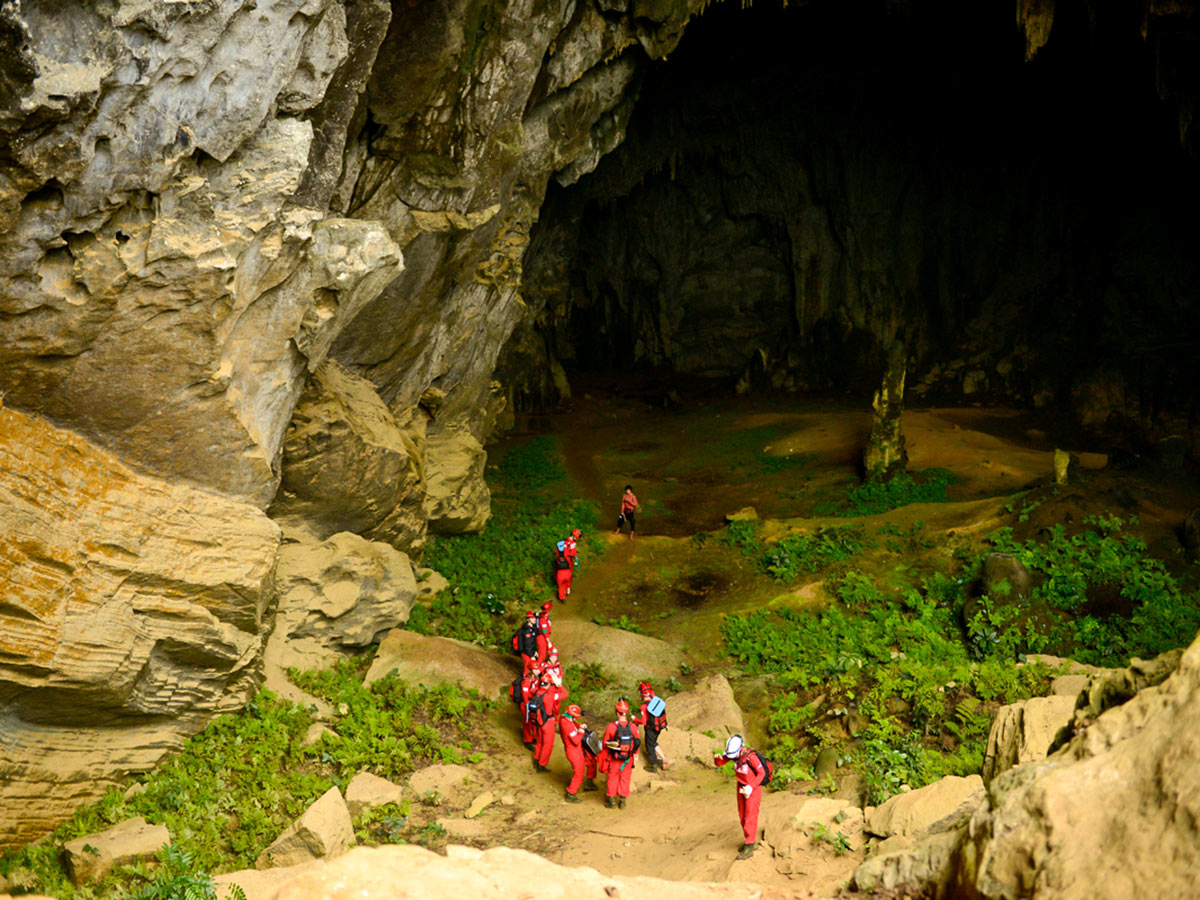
pixel 733 747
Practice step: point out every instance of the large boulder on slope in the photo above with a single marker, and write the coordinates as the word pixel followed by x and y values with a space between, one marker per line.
pixel 335 595
pixel 1024 731
pixel 420 659
pixel 912 813
pixel 133 612
pixel 322 832
pixel 91 857
pixel 349 465
pixel 617 651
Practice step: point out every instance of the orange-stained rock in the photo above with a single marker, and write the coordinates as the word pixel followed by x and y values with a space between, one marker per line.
pixel 133 612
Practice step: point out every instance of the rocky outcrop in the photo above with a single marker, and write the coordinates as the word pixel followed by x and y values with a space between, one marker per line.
pixel 1077 824
pixel 616 650
pixel 457 499
pixel 348 465
pixel 1023 732
pixel 434 660
pixel 496 874
pixel 134 610
pixel 912 813
pixel 336 595
pixel 323 832
pixel 91 857
pixel 366 791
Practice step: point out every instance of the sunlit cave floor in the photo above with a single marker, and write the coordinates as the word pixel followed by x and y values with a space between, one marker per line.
pixel 704 458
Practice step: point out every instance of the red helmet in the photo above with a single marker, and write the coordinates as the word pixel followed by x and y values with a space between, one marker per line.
pixel 574 711
pixel 547 606
pixel 531 614
pixel 535 672
pixel 575 532
pixel 645 688
pixel 622 707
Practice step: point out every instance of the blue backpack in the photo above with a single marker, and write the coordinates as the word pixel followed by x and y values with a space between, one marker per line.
pixel 656 711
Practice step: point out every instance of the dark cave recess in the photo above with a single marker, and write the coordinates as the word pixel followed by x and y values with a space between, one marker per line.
pixel 800 185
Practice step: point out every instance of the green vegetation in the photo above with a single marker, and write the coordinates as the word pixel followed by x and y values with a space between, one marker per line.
pixel 1107 600
pixel 506 567
pixel 895 656
pixel 743 453
pixel 797 554
pixel 235 786
pixel 874 497
pixel 915 672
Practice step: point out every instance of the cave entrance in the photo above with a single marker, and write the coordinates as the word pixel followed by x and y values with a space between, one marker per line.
pixel 800 184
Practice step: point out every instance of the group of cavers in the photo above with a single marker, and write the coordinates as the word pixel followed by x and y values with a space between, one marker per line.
pixel 540 695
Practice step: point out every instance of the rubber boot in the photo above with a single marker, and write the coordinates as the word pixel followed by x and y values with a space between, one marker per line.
pixel 571 798
pixel 621 803
pixel 610 802
pixel 589 784
pixel 747 851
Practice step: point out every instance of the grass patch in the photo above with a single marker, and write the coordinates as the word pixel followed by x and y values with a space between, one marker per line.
pixel 234 787
pixel 874 497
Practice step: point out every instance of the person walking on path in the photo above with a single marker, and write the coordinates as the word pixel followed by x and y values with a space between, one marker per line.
pixel 529 687
pixel 572 729
pixel 653 717
pixel 525 641
pixel 566 561
pixel 621 746
pixel 552 695
pixel 543 636
pixel 750 773
pixel 629 504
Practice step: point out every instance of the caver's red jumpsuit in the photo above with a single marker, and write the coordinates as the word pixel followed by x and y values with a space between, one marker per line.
pixel 528 729
pixel 553 670
pixel 749 771
pixel 619 771
pixel 572 738
pixel 563 577
pixel 543 638
pixel 552 697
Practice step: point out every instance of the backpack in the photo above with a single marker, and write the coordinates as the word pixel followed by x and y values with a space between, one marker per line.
pixel 536 707
pixel 627 744
pixel 656 713
pixel 525 640
pixel 561 561
pixel 515 692
pixel 768 767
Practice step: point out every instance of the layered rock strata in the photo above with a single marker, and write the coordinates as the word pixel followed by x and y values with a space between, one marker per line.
pixel 134 610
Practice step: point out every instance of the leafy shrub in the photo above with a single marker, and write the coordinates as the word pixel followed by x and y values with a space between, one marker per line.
pixel 876 496
pixel 802 554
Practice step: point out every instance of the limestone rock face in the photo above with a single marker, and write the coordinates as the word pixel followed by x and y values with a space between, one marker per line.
pixel 457 499
pixel 616 650
pixel 93 856
pixel 134 610
pixel 338 594
pixel 323 832
pixel 348 465
pixel 146 231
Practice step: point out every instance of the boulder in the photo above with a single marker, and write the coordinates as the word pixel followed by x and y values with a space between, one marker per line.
pixel 925 866
pixel 366 791
pixel 322 832
pixel 349 465
pixel 1006 579
pixel 479 804
pixel 745 514
pixel 448 782
pixel 616 650
pixel 134 611
pixel 457 500
pixel 420 659
pixel 820 839
pixel 93 856
pixel 259 884
pixel 1024 731
pixel 709 705
pixel 337 594
pixel 499 873
pixel 911 814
